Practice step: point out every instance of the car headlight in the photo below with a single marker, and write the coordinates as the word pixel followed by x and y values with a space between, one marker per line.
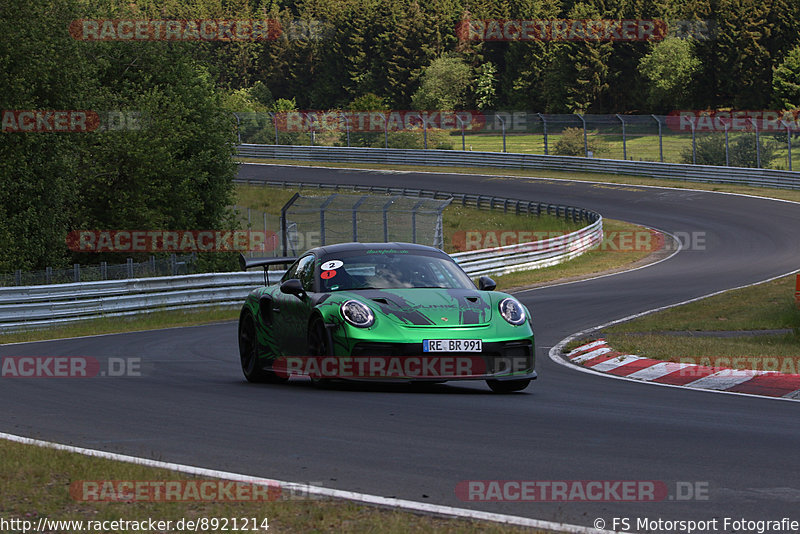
pixel 357 314
pixel 512 311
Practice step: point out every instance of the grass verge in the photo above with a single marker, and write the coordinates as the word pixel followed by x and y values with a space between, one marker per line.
pixel 721 329
pixel 36 483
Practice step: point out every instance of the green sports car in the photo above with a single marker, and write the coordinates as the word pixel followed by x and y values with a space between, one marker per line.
pixel 383 311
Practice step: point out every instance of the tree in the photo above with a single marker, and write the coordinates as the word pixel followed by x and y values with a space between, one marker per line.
pixel 669 69
pixel 444 85
pixel 485 93
pixel 786 82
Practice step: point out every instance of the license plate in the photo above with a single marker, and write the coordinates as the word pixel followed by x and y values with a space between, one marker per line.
pixel 452 345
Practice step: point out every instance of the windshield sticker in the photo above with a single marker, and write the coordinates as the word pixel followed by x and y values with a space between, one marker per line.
pixel 331 265
pixel 327 275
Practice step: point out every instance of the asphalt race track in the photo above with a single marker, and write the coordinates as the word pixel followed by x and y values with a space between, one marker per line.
pixel 193 406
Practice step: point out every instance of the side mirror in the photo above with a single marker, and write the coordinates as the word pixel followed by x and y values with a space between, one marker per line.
pixel 293 286
pixel 486 284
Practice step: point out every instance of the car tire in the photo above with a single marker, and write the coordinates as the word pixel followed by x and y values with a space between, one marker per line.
pixel 508 386
pixel 319 347
pixel 248 353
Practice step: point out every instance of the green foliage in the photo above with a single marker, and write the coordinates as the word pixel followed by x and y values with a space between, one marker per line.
pixel 786 82
pixel 669 69
pixel 437 139
pixel 444 85
pixel 485 93
pixel 571 143
pixel 710 150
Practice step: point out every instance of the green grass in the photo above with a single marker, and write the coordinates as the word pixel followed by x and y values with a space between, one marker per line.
pixel 768 306
pixel 456 218
pixel 36 483
pixel 133 323
pixel 637 147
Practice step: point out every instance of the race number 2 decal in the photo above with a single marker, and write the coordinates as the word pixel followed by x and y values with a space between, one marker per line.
pixel 331 265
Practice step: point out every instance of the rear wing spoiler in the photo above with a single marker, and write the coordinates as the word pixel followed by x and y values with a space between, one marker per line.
pixel 249 263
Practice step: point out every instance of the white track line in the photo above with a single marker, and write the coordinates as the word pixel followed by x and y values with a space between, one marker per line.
pixel 415 506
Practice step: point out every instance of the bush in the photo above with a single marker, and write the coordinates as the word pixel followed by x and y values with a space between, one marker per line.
pixel 710 150
pixel 571 143
pixel 437 139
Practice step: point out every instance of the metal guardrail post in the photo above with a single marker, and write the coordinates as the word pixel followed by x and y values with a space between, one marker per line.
pixel 660 140
pixel 624 140
pixel 694 143
pixel 312 129
pixel 76 272
pixel 585 141
pixel 129 266
pixel 544 130
pixel 424 134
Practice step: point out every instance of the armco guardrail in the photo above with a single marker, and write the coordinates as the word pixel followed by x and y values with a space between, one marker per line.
pixel 398 156
pixel 27 307
pixel 535 255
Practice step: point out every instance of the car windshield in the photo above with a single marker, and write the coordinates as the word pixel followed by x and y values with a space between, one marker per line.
pixel 390 269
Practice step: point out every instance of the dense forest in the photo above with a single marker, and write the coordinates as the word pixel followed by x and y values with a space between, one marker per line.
pixel 174 169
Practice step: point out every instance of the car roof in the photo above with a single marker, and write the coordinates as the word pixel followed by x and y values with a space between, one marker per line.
pixel 339 248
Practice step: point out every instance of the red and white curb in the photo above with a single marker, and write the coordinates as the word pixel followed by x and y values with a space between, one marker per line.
pixel 599 357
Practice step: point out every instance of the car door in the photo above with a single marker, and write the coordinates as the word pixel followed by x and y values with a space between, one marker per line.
pixel 295 311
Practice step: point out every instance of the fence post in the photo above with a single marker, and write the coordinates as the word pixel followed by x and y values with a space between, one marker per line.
pixel 544 129
pixel 103 270
pixel 76 272
pixel 284 228
pixel 503 124
pixel 347 128
pixel 275 125
pixel 18 277
pixel 312 129
pixel 238 129
pixel 129 265
pixel 788 143
pixel 624 140
pixel 48 275
pixel 585 142
pixel 660 140
pixel 758 143
pixel 386 219
pixel 414 221
pixel 463 140
pixel 355 216
pixel 694 144
pixel 727 151
pixel 424 134
pixel 385 131
pixel 322 209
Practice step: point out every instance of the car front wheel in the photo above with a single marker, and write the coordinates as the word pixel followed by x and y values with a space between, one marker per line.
pixel 508 386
